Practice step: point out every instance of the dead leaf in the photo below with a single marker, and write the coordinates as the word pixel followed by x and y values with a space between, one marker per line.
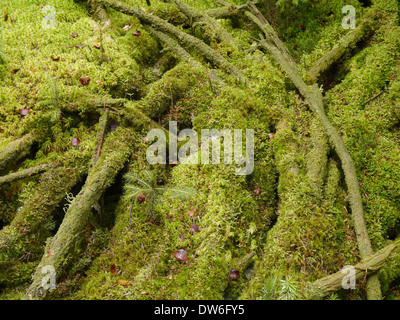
pixel 24 111
pixel 84 81
pixel 113 269
pixel 75 142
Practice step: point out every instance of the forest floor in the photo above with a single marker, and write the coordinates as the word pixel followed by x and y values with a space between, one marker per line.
pixel 82 207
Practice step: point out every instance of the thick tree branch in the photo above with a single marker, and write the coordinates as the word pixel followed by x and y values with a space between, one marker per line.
pixel 103 122
pixel 173 46
pixel 50 191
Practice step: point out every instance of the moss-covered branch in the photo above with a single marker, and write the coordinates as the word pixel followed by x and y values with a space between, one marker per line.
pixel 188 40
pixel 228 11
pixel 23 235
pixel 16 150
pixel 173 45
pixel 314 99
pixel 103 123
pixel 25 173
pixel 64 246
pixel 344 45
pixel 324 286
pixel 210 25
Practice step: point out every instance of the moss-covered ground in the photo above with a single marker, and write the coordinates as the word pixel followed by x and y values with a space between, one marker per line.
pixel 287 222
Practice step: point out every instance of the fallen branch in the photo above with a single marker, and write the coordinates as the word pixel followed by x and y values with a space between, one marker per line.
pixel 269 32
pixel 64 246
pixel 324 286
pixel 22 174
pixel 23 231
pixel 344 45
pixel 95 105
pixel 314 99
pixel 16 150
pixel 210 24
pixel 103 122
pixel 373 98
pixel 188 40
pixel 173 46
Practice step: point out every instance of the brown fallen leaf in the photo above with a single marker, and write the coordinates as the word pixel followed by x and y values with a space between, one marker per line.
pixel 24 111
pixel 144 293
pixel 194 228
pixel 15 70
pixel 80 46
pixel 75 142
pixel 84 81
pixel 271 135
pixel 113 268
pixel 55 59
pixel 234 274
pixel 181 255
